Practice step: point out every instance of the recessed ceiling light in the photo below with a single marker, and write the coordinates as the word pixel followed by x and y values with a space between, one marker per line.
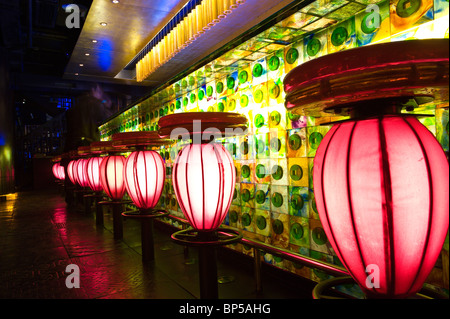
pixel 94 41
pixel 76 73
pixel 115 1
pixel 87 54
pixel 81 64
pixel 103 24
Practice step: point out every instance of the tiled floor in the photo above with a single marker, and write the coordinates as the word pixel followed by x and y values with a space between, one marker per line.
pixel 40 235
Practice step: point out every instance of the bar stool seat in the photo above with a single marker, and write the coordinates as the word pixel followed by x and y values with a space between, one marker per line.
pixel 227 123
pixel 415 69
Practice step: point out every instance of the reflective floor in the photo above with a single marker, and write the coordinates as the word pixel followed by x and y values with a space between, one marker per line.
pixel 40 235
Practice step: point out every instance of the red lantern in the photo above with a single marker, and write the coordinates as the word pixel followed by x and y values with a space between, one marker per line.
pixel 55 170
pixel 203 174
pixel 381 189
pixel 204 179
pixel 93 173
pixel 71 171
pixel 112 176
pixel 144 178
pixel 81 175
pixel 61 173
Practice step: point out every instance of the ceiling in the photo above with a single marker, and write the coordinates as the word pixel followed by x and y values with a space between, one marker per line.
pixel 44 55
pixel 132 24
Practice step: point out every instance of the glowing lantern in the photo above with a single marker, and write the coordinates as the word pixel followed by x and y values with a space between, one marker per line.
pixel 62 174
pixel 380 178
pixel 144 178
pixel 55 170
pixel 93 173
pixel 203 174
pixel 381 189
pixel 144 170
pixel 81 175
pixel 204 180
pixel 112 176
pixel 71 172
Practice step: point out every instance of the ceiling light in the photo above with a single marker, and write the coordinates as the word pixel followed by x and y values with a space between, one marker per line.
pixel 94 41
pixel 81 64
pixel 115 1
pixel 103 24
pixel 87 54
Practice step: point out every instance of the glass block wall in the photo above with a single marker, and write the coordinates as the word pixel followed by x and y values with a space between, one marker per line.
pixel 274 197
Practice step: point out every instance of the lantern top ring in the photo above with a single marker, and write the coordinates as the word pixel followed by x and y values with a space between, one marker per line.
pixel 206 124
pixel 219 237
pixel 403 69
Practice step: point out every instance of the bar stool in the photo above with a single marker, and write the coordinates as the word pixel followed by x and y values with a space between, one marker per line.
pixel 113 184
pixel 144 174
pixel 204 178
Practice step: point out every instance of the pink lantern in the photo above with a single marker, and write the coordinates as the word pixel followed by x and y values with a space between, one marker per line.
pixel 71 171
pixel 81 175
pixel 144 169
pixel 381 189
pixel 55 170
pixel 203 174
pixel 93 173
pixel 61 173
pixel 204 180
pixel 112 176
pixel 144 178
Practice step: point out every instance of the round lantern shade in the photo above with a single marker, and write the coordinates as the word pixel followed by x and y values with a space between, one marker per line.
pixel 204 179
pixel 55 170
pixel 62 174
pixel 93 173
pixel 112 176
pixel 381 190
pixel 144 178
pixel 71 171
pixel 81 175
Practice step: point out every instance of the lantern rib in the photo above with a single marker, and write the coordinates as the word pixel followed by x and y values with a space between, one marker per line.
pixel 350 202
pixel 143 196
pixel 203 187
pixel 155 195
pixel 175 183
pixel 89 172
pixel 388 224
pixel 115 178
pixel 107 179
pixel 103 177
pixel 190 215
pixel 430 217
pixel 219 205
pixel 134 194
pixel 338 251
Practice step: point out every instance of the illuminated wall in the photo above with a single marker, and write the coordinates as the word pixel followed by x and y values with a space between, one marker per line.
pixel 274 198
